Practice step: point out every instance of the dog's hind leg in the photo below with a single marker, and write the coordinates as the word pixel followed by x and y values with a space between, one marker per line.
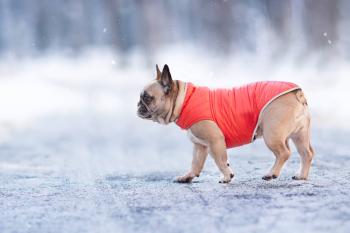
pixel 278 123
pixel 301 139
pixel 302 142
pixel 282 152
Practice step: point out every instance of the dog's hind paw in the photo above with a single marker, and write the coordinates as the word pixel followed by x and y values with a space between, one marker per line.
pixel 269 177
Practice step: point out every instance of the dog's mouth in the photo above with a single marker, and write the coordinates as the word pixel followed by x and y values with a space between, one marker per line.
pixel 143 111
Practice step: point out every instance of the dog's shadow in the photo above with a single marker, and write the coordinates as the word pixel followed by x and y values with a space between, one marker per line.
pixel 143 177
pixel 170 178
pixel 151 177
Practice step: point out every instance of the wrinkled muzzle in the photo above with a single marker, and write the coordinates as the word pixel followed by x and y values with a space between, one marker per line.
pixel 142 111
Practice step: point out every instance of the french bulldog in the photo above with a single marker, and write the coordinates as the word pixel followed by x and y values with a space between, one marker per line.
pixel 276 111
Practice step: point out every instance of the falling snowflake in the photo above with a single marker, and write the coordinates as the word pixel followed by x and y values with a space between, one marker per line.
pixel 105 30
pixel 329 42
pixel 113 62
pixel 325 34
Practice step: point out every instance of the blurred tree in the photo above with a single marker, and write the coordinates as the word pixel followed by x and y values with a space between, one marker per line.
pixel 223 26
pixel 343 28
pixel 320 24
pixel 279 15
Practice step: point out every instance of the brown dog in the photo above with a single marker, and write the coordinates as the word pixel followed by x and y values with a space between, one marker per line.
pixel 285 117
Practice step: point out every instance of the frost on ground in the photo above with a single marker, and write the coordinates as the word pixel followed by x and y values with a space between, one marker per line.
pixel 81 184
pixel 75 158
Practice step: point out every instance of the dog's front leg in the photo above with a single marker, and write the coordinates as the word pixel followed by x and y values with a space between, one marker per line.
pixel 209 133
pixel 200 153
pixel 219 153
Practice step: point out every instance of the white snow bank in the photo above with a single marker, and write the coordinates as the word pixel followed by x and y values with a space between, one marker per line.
pixel 98 83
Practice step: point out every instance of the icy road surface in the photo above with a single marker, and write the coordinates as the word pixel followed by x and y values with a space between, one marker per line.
pixel 76 183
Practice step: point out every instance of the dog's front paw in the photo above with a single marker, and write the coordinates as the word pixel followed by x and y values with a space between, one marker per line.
pixel 226 179
pixel 185 179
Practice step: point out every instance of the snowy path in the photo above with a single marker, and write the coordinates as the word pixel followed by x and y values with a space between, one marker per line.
pixel 72 185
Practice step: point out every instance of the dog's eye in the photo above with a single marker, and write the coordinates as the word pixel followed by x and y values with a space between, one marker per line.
pixel 146 97
pixel 149 99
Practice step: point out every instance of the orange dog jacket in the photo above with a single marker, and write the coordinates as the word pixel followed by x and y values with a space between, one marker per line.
pixel 236 111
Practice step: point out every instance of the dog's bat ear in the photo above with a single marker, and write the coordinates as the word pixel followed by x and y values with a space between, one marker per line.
pixel 159 74
pixel 166 80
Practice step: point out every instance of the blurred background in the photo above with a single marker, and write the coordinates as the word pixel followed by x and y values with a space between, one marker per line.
pixel 71 71
pixel 74 157
pixel 304 28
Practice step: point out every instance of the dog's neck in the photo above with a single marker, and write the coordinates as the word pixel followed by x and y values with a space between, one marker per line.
pixel 177 99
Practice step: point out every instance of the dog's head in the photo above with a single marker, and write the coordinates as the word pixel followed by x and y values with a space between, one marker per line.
pixel 155 98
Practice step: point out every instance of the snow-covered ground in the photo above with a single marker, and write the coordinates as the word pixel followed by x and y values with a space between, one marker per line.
pixel 74 157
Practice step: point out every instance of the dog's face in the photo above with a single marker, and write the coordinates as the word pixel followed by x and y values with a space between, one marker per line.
pixel 155 98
